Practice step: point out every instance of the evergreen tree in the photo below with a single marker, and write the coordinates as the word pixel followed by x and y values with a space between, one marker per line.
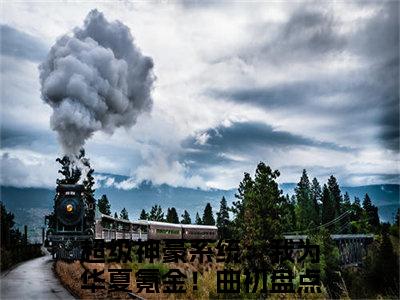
pixel 288 214
pixel 347 207
pixel 383 275
pixel 371 213
pixel 156 213
pixel 208 217
pixel 115 215
pixel 124 214
pixel 7 223
pixel 306 214
pixel 367 203
pixel 198 219
pixel 358 218
pixel 223 220
pixel 346 202
pixel 292 221
pixel 336 195
pixel 172 216
pixel 328 206
pixel 186 218
pixel 12 241
pixel 245 191
pixel 104 205
pixel 395 228
pixel 337 201
pixel 316 195
pixel 143 215
pixel 258 214
pixel 357 211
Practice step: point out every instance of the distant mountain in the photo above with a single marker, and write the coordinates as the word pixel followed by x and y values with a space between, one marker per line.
pixel 385 196
pixel 30 204
pixel 146 195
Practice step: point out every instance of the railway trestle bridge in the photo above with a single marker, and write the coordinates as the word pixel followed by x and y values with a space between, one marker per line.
pixel 352 247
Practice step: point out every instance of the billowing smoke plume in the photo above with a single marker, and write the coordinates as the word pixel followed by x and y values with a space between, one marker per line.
pixel 96 79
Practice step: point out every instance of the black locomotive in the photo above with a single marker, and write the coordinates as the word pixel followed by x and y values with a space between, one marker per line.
pixel 73 217
pixel 72 221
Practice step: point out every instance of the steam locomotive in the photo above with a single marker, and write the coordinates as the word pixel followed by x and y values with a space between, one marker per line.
pixel 72 220
pixel 76 219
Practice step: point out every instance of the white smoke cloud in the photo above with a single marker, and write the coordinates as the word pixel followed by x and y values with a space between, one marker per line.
pixel 25 168
pixel 96 79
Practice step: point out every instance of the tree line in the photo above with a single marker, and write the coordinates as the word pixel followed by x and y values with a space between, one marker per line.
pixel 14 245
pixel 261 212
pixel 261 204
pixel 156 214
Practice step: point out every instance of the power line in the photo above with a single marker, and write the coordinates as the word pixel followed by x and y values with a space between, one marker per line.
pixel 323 225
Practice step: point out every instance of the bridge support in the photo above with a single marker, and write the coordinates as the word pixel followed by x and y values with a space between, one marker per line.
pixel 352 247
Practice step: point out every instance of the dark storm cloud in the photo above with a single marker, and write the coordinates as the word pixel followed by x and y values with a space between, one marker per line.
pixel 379 177
pixel 14 136
pixel 298 94
pixel 21 45
pixel 378 38
pixel 367 97
pixel 199 157
pixel 308 31
pixel 242 136
pixel 349 100
pixel 378 41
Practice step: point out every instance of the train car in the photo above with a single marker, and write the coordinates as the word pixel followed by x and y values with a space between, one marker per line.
pixel 140 230
pixel 164 231
pixel 199 232
pixel 109 228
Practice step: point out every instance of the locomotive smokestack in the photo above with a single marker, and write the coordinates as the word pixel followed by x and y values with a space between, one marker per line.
pixel 96 79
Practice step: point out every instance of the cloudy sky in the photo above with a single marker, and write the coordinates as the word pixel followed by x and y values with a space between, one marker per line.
pixel 294 84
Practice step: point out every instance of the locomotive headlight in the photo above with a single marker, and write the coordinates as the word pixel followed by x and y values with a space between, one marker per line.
pixel 69 208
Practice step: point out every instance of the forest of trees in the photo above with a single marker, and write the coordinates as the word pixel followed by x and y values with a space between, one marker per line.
pixel 14 246
pixel 156 214
pixel 262 212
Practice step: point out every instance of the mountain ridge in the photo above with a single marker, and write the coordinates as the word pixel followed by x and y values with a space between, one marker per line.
pixel 30 205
